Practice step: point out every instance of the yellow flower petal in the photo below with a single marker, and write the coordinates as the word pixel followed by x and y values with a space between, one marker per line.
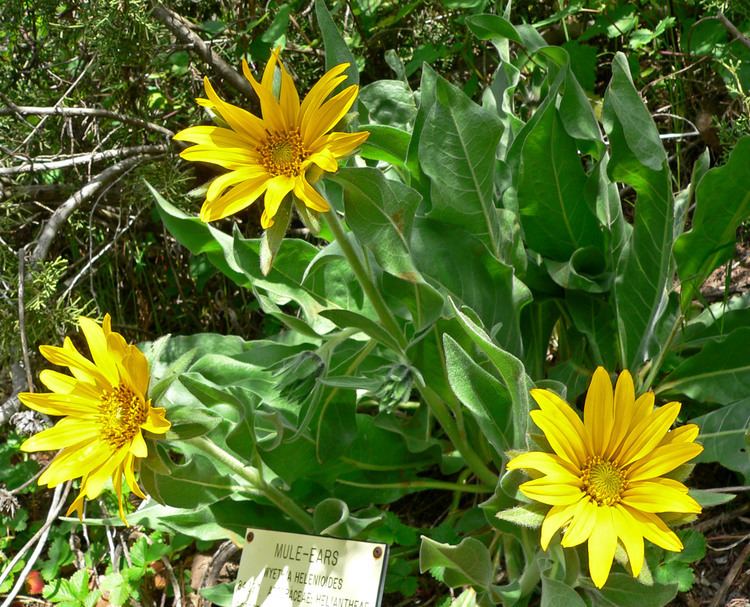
pixel 222 182
pixel 93 483
pixel 340 144
pixel 156 422
pixel 226 157
pixel 236 199
pixel 568 446
pixel 650 496
pixel 74 461
pixel 554 494
pixel 654 529
pixel 321 90
pixel 310 196
pixel 582 524
pixel 276 189
pixel 628 531
pixel 97 342
pixel 565 418
pixel 328 115
pixel 60 404
pixel 648 433
pixel 557 517
pixel 623 411
pixel 684 434
pixel 598 412
pixel 553 466
pixel 241 121
pixel 663 460
pixel 68 431
pixel 602 545
pixel 128 467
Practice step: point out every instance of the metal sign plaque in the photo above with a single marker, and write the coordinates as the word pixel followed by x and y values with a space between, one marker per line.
pixel 279 569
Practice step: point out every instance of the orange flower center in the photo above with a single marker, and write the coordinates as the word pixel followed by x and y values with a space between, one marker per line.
pixel 121 413
pixel 283 153
pixel 603 481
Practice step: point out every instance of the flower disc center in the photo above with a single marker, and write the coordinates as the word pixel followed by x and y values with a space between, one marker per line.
pixel 282 153
pixel 121 413
pixel 603 481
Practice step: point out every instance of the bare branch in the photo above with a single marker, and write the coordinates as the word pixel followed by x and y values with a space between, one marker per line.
pixel 86 158
pixel 61 214
pixel 36 129
pixel 58 501
pixel 22 316
pixel 732 29
pixel 28 110
pixel 180 27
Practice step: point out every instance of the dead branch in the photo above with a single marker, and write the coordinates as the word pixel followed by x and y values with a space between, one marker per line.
pixel 732 29
pixel 36 129
pixel 85 158
pixel 28 110
pixel 97 184
pixel 733 572
pixel 181 28
pixel 22 317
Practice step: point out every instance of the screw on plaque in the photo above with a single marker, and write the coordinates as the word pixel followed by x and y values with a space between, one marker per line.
pixel 250 536
pixel 378 552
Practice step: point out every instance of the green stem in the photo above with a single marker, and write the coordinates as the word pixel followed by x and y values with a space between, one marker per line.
pixel 441 412
pixel 659 360
pixel 253 476
pixel 376 299
pixel 421 484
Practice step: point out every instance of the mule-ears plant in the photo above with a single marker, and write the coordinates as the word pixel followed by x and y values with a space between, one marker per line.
pixel 484 255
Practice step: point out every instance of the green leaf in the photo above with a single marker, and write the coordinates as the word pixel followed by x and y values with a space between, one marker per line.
pixel 391 103
pixel 559 594
pixel 638 159
pixel 709 499
pixel 271 240
pixel 718 373
pixel 116 588
pixel 380 212
pixel 556 219
pixel 485 397
pixel 221 594
pixel 621 590
pixel 332 517
pixel 457 151
pixel 337 426
pixel 345 318
pixel 512 372
pixel 722 202
pixel 472 277
pixel 494 28
pixel 188 485
pixel 468 598
pixel 467 563
pixel 336 49
pixel 385 143
pixel 526 515
pixel 724 437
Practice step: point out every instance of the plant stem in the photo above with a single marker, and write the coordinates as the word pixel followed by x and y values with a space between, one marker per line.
pixel 422 484
pixel 376 299
pixel 253 476
pixel 441 412
pixel 659 360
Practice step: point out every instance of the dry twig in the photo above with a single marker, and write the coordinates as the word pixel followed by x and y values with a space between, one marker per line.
pixel 28 110
pixel 85 158
pixel 100 182
pixel 731 575
pixel 181 28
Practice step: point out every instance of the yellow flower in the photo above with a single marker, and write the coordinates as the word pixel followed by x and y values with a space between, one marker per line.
pixel 106 409
pixel 605 480
pixel 273 154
